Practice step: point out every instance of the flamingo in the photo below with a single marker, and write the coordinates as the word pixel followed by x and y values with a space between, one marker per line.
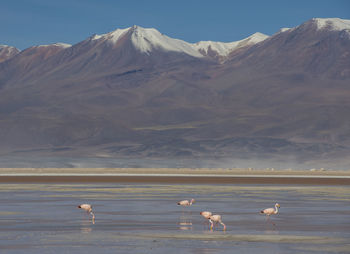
pixel 206 214
pixel 270 211
pixel 88 209
pixel 186 202
pixel 217 219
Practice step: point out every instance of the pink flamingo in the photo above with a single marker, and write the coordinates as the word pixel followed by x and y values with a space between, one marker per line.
pixel 206 215
pixel 271 211
pixel 217 219
pixel 88 209
pixel 186 202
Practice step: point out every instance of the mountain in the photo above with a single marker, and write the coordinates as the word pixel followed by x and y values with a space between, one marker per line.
pixel 6 52
pixel 135 93
pixel 318 46
pixel 299 78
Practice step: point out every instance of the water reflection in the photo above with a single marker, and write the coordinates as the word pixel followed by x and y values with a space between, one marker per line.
pixel 185 223
pixel 272 232
pixel 205 251
pixel 85 227
pixel 206 225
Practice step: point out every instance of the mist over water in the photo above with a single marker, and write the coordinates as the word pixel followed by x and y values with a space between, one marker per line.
pixel 144 218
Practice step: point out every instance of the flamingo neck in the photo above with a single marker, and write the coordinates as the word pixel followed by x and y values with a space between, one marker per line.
pixel 276 209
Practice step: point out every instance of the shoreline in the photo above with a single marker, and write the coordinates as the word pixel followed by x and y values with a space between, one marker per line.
pixel 191 171
pixel 178 176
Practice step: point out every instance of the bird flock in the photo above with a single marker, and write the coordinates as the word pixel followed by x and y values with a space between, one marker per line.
pixel 213 219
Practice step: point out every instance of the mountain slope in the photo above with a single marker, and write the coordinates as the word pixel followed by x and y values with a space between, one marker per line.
pixel 137 93
pixel 310 47
pixel 299 82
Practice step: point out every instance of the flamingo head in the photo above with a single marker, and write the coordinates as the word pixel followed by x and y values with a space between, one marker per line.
pixel 206 214
pixel 193 201
pixel 277 205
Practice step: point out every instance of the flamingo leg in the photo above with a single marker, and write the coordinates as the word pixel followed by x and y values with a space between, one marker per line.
pixel 223 225
pixel 211 225
pixel 270 221
pixel 93 217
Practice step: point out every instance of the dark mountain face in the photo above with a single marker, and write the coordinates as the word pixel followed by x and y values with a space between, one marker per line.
pixel 285 99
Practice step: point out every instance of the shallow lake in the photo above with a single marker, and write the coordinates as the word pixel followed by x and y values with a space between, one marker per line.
pixel 144 218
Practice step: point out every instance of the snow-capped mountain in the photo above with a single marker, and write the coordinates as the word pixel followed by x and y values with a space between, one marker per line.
pixel 135 91
pixel 6 52
pixel 319 46
pixel 147 40
pixel 122 48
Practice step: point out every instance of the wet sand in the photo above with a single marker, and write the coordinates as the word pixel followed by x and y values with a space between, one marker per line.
pixel 140 175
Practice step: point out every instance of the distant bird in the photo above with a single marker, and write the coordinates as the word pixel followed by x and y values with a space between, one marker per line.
pixel 88 209
pixel 217 219
pixel 186 202
pixel 270 211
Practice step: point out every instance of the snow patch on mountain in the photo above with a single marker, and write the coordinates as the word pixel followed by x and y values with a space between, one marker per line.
pixel 284 29
pixel 95 37
pixel 148 39
pixel 114 36
pixel 223 49
pixel 7 47
pixel 332 23
pixel 57 44
pixel 256 38
pixel 6 52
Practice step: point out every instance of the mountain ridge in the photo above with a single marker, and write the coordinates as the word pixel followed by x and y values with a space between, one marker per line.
pixel 144 39
pixel 285 98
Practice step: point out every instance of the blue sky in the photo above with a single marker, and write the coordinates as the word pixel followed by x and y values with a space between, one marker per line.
pixel 24 23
